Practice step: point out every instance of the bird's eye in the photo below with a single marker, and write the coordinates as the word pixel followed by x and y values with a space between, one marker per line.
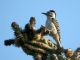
pixel 50 15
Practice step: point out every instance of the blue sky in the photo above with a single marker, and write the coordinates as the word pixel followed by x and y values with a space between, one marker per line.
pixel 68 16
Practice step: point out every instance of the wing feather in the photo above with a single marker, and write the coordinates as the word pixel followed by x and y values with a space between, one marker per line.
pixel 57 26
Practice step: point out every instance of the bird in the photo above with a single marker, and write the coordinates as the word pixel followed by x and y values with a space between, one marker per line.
pixel 52 26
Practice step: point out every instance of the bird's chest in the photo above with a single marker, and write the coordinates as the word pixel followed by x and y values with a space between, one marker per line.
pixel 50 25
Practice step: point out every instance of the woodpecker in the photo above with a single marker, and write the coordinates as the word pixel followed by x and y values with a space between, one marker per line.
pixel 52 26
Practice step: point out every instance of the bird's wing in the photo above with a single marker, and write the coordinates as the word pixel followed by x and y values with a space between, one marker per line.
pixel 57 25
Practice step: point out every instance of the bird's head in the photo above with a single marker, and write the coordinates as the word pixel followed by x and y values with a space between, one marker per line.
pixel 50 14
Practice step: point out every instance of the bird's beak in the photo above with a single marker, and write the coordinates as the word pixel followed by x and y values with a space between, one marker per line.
pixel 44 13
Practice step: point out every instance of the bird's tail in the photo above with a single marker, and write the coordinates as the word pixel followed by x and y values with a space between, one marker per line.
pixel 9 42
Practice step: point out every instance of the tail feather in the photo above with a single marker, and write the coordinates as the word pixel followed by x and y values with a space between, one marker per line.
pixel 8 42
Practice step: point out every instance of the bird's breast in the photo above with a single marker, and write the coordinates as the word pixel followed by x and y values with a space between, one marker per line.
pixel 51 26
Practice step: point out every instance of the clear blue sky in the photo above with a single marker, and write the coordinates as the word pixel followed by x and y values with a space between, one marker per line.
pixel 68 16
